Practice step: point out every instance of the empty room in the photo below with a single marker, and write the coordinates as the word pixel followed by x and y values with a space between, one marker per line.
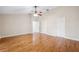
pixel 39 29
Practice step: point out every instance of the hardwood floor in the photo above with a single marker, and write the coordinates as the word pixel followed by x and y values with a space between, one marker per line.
pixel 40 43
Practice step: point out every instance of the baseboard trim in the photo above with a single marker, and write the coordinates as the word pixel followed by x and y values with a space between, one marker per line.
pixel 70 38
pixel 14 35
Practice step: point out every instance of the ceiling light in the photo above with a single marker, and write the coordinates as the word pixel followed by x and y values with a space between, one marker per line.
pixel 35 14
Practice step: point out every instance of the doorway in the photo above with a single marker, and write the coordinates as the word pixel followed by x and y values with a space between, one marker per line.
pixel 61 26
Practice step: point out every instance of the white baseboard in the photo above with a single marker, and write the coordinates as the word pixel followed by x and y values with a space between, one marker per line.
pixel 14 35
pixel 70 38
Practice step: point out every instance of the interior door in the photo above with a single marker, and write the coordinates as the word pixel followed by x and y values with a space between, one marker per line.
pixel 36 30
pixel 61 26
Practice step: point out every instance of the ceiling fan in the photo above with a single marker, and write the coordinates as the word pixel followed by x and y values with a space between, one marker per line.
pixel 38 13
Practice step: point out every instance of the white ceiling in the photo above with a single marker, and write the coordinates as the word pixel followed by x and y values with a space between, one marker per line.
pixel 23 9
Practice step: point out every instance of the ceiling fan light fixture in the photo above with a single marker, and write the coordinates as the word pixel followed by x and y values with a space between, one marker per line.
pixel 35 14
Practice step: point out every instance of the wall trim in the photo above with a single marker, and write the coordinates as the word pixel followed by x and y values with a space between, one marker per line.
pixel 70 38
pixel 14 35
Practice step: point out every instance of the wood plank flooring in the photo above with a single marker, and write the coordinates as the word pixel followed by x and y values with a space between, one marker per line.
pixel 40 43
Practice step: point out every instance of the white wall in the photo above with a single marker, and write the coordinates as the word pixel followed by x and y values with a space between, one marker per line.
pixel 36 24
pixel 15 24
pixel 71 16
pixel 1 26
pixel 22 24
pixel 48 25
pixel 72 23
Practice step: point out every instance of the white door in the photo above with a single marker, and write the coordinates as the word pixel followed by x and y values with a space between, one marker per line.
pixel 61 26
pixel 35 26
pixel 36 31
